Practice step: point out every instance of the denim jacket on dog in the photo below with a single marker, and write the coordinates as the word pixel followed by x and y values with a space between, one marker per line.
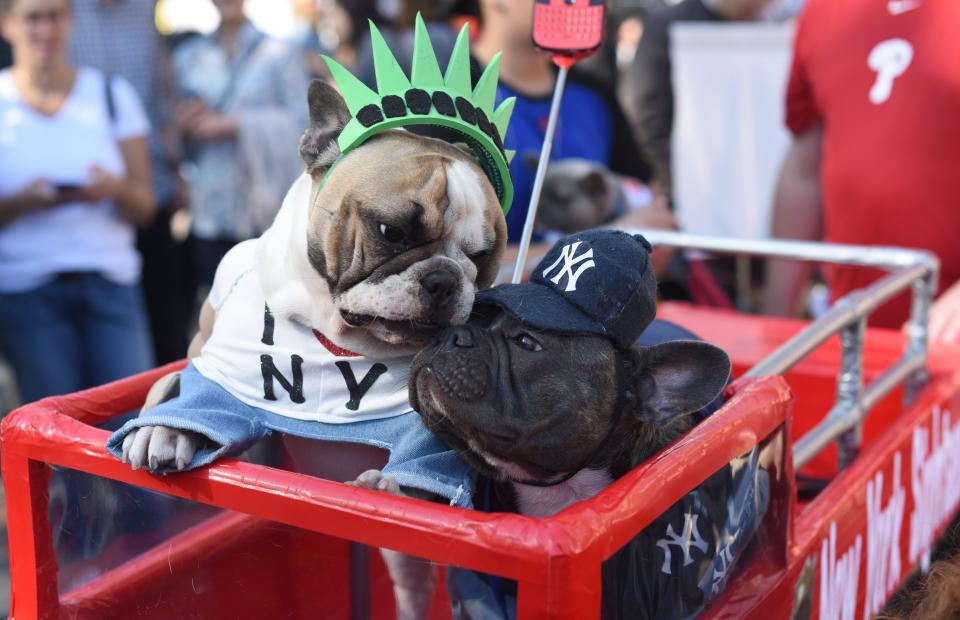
pixel 260 373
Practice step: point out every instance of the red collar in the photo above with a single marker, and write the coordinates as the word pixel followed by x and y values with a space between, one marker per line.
pixel 329 346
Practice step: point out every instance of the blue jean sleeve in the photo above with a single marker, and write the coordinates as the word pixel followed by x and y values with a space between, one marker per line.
pixel 205 408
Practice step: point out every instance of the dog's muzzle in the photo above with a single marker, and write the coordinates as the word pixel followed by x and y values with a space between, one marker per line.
pixel 460 376
pixel 440 293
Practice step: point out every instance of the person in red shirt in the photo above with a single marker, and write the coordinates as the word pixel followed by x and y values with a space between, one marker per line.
pixel 873 103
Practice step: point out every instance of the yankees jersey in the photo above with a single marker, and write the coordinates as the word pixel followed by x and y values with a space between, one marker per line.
pixel 883 79
pixel 277 364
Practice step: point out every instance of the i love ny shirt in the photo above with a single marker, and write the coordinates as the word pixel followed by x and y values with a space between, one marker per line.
pixel 285 367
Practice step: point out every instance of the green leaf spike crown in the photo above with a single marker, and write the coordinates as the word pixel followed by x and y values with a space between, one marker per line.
pixel 428 97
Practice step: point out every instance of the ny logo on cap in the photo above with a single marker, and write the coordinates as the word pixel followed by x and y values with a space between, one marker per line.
pixel 571 260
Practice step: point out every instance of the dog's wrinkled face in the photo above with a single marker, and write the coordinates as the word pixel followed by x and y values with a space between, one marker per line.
pixel 522 403
pixel 404 230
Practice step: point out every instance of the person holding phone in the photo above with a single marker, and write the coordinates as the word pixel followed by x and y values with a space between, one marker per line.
pixel 241 110
pixel 74 184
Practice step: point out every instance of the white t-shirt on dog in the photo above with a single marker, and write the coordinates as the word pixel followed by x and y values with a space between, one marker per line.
pixel 61 148
pixel 284 367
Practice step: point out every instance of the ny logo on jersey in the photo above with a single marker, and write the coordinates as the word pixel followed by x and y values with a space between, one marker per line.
pixel 570 260
pixel 690 537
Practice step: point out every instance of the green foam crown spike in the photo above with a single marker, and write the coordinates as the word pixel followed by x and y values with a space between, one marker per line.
pixel 354 92
pixel 485 94
pixel 390 76
pixel 457 77
pixel 446 101
pixel 426 70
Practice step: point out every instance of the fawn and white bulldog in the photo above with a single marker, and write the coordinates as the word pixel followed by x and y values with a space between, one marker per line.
pixel 310 329
pixel 390 247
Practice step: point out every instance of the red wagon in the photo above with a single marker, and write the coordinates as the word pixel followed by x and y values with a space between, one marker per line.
pixel 261 542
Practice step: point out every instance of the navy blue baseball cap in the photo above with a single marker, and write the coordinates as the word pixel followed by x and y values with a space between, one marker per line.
pixel 596 282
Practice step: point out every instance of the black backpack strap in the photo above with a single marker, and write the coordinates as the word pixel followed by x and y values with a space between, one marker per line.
pixel 108 95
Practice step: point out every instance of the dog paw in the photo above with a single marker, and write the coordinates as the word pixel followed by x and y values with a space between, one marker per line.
pixel 375 480
pixel 158 447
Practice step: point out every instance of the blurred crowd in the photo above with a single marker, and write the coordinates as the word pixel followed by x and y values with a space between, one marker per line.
pixel 131 162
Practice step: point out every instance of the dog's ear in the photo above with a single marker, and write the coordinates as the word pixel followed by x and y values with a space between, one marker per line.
pixel 678 378
pixel 594 184
pixel 328 116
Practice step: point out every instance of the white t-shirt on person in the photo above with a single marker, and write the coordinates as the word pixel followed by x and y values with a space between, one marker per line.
pixel 62 148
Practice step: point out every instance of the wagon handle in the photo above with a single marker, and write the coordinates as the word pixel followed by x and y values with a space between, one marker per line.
pixel 913 269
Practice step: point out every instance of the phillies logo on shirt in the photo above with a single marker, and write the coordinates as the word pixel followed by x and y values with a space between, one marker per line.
pixel 890 59
pixel 899 7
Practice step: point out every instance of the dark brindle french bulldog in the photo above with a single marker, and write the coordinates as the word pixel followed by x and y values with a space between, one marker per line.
pixel 547 394
pixel 543 389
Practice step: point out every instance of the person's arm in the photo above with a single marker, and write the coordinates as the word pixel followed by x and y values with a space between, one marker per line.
pixel 797 214
pixel 199 122
pixel 38 195
pixel 656 215
pixel 945 316
pixel 132 194
pixel 649 102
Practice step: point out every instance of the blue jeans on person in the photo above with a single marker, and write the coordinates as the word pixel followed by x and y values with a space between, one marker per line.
pixel 77 331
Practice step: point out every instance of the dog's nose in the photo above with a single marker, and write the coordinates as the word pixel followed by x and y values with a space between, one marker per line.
pixel 459 337
pixel 439 286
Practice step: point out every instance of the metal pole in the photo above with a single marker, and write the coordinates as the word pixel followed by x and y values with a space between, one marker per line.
pixel 855 306
pixel 850 387
pixel 841 419
pixel 541 172
pixel 918 331
pixel 889 258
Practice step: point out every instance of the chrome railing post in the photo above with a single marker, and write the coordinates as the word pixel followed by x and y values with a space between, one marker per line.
pixel 850 389
pixel 918 332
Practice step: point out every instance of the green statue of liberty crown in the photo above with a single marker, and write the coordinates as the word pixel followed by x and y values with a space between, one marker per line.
pixel 429 98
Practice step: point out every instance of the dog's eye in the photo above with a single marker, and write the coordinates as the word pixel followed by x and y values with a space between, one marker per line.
pixel 393 234
pixel 479 257
pixel 528 342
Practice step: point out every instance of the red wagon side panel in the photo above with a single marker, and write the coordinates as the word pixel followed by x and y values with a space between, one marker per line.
pixel 555 560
